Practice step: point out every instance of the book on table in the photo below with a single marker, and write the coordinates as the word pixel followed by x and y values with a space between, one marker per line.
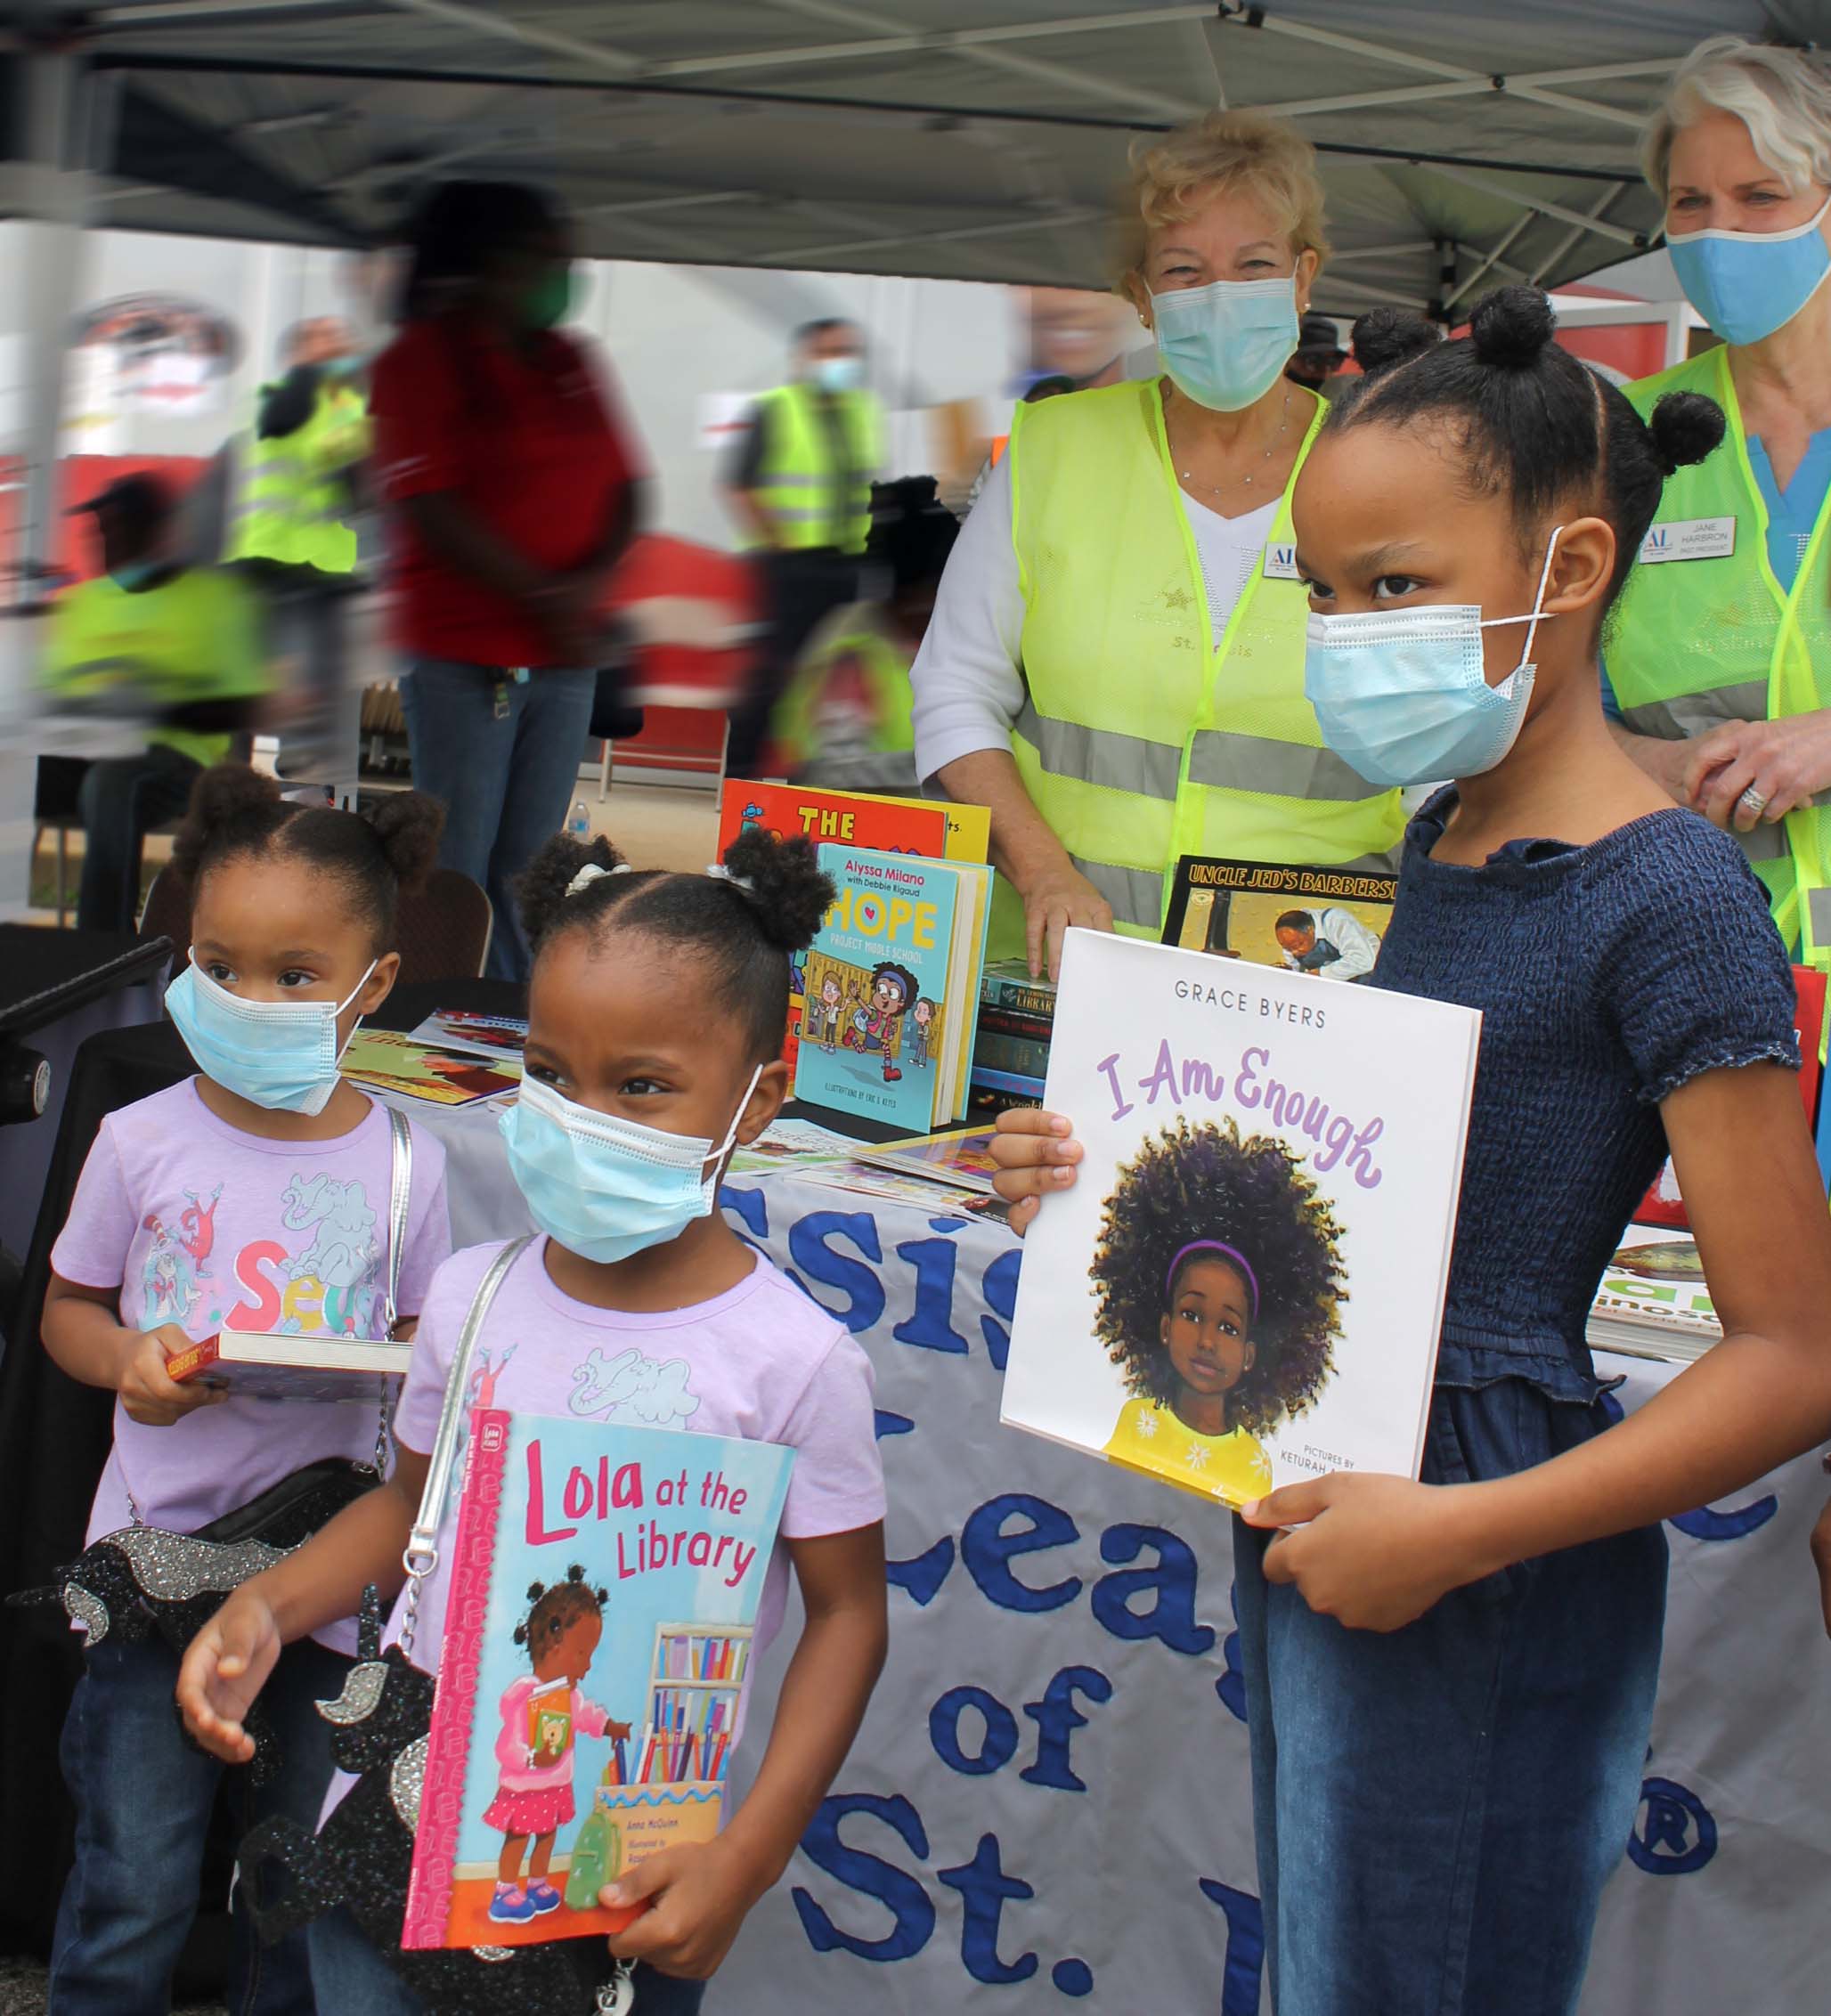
pixel 1323 921
pixel 289 1365
pixel 935 828
pixel 384 1061
pixel 472 1034
pixel 1244 1286
pixel 1653 1300
pixel 892 984
pixel 960 1157
pixel 614 1738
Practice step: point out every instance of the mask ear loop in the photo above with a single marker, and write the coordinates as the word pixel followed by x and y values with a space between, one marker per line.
pixel 1538 606
pixel 730 1139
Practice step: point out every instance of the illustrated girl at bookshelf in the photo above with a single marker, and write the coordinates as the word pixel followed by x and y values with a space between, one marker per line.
pixel 893 992
pixel 923 1031
pixel 543 1715
pixel 1220 1284
pixel 1450 1681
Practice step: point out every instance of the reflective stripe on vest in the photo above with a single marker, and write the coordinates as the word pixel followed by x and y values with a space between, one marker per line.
pixel 815 504
pixel 1140 740
pixel 1697 643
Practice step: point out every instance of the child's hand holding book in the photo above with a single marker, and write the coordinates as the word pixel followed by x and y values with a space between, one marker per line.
pixel 148 1393
pixel 693 1902
pixel 1036 1153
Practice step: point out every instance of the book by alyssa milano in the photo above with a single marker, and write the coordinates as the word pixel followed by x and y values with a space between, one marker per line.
pixel 603 1596
pixel 1243 1288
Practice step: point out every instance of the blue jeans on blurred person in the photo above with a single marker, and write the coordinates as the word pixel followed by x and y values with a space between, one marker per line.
pixel 506 784
pixel 1436 1808
pixel 144 1798
pixel 352 1978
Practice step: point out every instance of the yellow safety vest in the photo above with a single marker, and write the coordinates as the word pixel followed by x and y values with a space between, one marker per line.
pixel 1699 642
pixel 195 637
pixel 1140 739
pixel 793 726
pixel 811 503
pixel 294 503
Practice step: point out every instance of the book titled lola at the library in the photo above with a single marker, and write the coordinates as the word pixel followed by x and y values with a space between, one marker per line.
pixel 603 1593
pixel 1243 1288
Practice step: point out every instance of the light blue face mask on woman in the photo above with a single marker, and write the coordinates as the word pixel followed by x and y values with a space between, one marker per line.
pixel 279 1054
pixel 1401 695
pixel 1747 284
pixel 1225 345
pixel 604 1187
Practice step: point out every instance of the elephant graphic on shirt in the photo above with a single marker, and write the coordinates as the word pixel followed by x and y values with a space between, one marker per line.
pixel 343 1250
pixel 632 1391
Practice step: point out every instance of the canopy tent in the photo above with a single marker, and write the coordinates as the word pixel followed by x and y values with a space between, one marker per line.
pixel 1461 143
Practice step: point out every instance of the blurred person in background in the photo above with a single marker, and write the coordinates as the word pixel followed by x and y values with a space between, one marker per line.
pixel 1720 657
pixel 1116 661
pixel 1078 334
pixel 798 484
pixel 512 485
pixel 155 640
pixel 1319 354
pixel 294 532
pixel 1050 388
pixel 844 722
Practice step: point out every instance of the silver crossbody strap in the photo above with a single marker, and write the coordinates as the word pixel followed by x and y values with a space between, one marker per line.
pixel 400 1199
pixel 422 1555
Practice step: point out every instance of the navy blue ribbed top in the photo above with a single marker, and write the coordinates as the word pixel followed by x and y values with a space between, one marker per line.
pixel 1607 977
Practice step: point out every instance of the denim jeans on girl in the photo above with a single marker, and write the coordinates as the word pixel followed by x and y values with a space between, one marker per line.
pixel 1437 1809
pixel 506 784
pixel 352 1980
pixel 143 1799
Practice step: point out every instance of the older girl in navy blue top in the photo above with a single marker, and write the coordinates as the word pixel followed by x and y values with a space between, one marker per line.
pixel 1449 1690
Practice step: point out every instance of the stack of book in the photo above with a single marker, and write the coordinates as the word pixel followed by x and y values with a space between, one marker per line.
pixel 1016 1019
pixel 1653 1300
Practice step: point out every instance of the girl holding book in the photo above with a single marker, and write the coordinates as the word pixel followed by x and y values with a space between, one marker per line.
pixel 1450 1684
pixel 191 1205
pixel 656 1015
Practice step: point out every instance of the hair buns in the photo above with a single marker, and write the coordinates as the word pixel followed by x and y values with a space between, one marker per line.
pixel 1686 427
pixel 1511 326
pixel 408 824
pixel 1386 337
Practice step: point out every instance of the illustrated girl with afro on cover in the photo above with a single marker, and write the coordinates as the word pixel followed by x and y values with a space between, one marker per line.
pixel 543 1714
pixel 1220 1287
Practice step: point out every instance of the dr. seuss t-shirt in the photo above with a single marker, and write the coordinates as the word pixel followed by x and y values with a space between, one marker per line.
pixel 203 1226
pixel 761 1361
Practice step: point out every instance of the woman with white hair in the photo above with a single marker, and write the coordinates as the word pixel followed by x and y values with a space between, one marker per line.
pixel 1115 664
pixel 1721 657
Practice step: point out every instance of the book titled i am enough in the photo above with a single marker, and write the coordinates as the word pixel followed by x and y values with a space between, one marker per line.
pixel 1243 1288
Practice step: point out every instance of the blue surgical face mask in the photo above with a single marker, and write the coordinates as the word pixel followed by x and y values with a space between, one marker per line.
pixel 1747 284
pixel 839 374
pixel 1225 344
pixel 604 1187
pixel 1401 695
pixel 279 1054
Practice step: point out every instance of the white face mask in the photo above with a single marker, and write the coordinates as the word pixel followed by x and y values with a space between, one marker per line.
pixel 1401 695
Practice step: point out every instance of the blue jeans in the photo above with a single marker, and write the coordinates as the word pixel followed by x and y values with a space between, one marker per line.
pixel 1436 1810
pixel 352 1980
pixel 143 1799
pixel 506 785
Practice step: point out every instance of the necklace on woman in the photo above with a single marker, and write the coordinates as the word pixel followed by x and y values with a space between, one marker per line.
pixel 1232 483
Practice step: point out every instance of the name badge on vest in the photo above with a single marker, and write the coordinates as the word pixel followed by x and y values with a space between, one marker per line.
pixel 1281 563
pixel 1688 539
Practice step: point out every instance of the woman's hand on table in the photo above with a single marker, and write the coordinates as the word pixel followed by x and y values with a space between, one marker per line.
pixel 1036 1153
pixel 1786 762
pixel 1055 899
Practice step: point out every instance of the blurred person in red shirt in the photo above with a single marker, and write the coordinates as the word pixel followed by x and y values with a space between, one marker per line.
pixel 513 489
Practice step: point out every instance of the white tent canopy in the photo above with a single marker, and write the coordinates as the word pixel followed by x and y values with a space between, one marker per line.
pixel 1461 145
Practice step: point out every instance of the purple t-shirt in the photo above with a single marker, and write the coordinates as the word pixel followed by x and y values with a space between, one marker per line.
pixel 761 1361
pixel 199 1224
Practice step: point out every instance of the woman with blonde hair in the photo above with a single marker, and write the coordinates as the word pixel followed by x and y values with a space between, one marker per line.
pixel 1721 657
pixel 1115 662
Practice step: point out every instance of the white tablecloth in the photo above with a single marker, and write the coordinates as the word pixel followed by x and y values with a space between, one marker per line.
pixel 1048 1804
